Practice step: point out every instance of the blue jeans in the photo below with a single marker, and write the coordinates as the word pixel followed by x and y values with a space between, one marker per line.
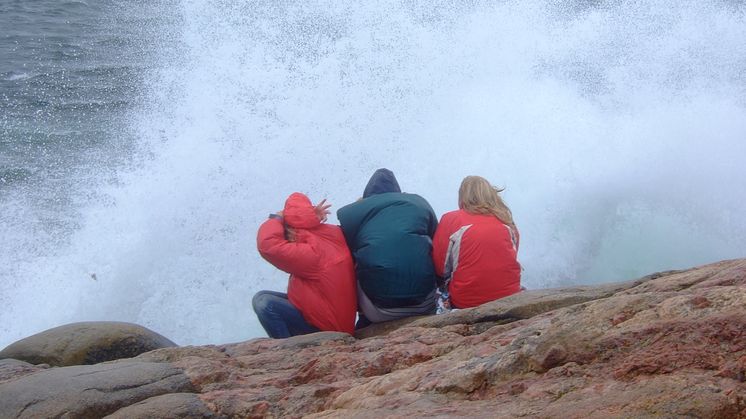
pixel 278 316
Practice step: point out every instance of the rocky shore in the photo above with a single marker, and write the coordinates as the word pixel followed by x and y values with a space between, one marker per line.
pixel 672 344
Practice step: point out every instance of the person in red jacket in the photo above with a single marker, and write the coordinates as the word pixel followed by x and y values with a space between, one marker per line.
pixel 475 248
pixel 321 294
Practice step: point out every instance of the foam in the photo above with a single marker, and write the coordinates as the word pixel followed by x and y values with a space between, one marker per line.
pixel 617 129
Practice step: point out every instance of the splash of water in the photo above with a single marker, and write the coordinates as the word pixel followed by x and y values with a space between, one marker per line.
pixel 617 128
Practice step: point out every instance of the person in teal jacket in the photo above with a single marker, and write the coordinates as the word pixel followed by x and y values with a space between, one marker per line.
pixel 390 236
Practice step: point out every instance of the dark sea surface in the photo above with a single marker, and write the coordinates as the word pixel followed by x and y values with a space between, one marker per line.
pixel 71 74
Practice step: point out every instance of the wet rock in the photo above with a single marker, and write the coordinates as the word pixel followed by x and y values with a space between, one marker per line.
pixel 86 343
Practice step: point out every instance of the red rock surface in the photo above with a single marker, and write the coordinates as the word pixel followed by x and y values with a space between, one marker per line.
pixel 667 345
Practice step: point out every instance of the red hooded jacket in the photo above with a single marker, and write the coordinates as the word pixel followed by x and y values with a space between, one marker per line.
pixel 322 275
pixel 479 252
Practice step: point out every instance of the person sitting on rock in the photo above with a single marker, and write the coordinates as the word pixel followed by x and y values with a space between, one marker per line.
pixel 475 248
pixel 390 236
pixel 321 290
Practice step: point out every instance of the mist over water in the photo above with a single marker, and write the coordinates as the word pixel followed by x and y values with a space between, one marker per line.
pixel 617 128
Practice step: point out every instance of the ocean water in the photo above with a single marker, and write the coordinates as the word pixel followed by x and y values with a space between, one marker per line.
pixel 143 142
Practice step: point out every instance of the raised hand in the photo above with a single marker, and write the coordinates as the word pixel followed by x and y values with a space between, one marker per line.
pixel 322 210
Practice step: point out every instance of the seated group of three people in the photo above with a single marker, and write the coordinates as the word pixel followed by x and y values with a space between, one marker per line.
pixel 388 259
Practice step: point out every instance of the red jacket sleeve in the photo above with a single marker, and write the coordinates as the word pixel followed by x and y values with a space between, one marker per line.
pixel 440 243
pixel 292 257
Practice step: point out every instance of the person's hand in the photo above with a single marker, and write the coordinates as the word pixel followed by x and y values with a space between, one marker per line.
pixel 279 213
pixel 290 234
pixel 322 210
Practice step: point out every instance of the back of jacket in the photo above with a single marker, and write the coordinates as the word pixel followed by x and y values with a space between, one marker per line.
pixel 322 278
pixel 389 235
pixel 479 253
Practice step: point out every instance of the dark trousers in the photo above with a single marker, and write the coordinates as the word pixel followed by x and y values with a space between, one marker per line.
pixel 278 316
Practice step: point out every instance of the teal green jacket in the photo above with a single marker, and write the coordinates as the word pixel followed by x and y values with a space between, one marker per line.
pixel 390 236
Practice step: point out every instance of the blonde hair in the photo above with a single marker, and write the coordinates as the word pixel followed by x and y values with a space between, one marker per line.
pixel 477 196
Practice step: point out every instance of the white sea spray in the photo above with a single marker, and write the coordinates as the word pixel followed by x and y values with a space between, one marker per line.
pixel 617 128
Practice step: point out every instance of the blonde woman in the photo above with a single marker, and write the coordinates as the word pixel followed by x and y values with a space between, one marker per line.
pixel 475 248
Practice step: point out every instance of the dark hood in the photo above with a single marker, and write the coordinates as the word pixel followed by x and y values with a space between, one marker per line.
pixel 382 181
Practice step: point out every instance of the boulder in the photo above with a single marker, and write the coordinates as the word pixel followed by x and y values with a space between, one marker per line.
pixel 89 391
pixel 85 343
